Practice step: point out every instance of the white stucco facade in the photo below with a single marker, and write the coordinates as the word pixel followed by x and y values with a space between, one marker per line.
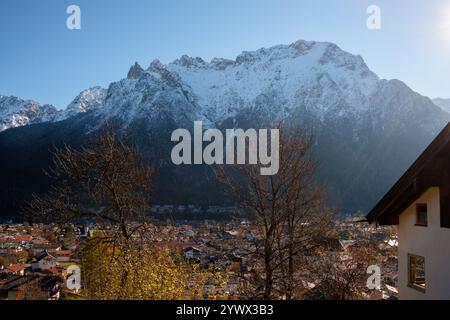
pixel 431 242
pixel 44 264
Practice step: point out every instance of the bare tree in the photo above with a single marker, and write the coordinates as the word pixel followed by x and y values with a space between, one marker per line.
pixel 341 275
pixel 107 181
pixel 305 215
pixel 289 210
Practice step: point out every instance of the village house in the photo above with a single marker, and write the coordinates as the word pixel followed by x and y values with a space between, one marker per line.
pixel 16 268
pixel 61 255
pixel 191 253
pixel 23 238
pixel 37 249
pixel 32 287
pixel 419 204
pixel 44 261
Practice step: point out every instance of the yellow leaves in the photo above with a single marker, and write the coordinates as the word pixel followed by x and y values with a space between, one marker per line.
pixel 142 272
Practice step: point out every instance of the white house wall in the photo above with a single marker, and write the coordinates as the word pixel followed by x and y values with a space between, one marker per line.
pixel 432 243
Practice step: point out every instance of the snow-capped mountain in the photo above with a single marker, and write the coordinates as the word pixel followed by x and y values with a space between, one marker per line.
pixel 316 79
pixel 287 75
pixel 147 95
pixel 87 100
pixel 368 130
pixel 15 112
pixel 444 104
pixel 282 73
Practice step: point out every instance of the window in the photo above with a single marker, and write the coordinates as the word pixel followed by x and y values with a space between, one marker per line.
pixel 421 214
pixel 416 266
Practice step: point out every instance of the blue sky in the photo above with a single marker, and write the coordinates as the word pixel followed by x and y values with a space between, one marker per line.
pixel 41 59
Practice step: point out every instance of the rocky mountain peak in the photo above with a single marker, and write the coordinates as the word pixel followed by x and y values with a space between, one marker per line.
pixel 368 130
pixel 16 112
pixel 87 100
pixel 187 61
pixel 135 71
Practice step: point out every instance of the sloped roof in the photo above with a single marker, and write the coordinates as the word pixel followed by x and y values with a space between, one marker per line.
pixel 16 267
pixel 431 169
pixel 44 254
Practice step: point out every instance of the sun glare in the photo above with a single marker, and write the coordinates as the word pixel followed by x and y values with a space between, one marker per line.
pixel 443 27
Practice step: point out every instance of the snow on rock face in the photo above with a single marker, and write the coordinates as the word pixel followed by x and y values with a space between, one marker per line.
pixel 315 75
pixel 87 100
pixel 15 112
pixel 155 92
pixel 302 72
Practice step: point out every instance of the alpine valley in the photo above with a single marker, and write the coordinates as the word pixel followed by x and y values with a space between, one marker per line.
pixel 367 130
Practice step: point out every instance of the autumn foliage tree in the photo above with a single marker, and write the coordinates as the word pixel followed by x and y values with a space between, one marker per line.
pixel 108 182
pixel 151 273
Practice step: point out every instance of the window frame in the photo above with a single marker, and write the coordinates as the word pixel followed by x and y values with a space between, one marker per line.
pixel 418 222
pixel 411 284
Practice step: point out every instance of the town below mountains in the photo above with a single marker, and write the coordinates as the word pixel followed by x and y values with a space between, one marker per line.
pixel 35 260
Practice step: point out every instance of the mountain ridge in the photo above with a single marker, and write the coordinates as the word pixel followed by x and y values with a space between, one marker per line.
pixel 367 130
pixel 17 112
